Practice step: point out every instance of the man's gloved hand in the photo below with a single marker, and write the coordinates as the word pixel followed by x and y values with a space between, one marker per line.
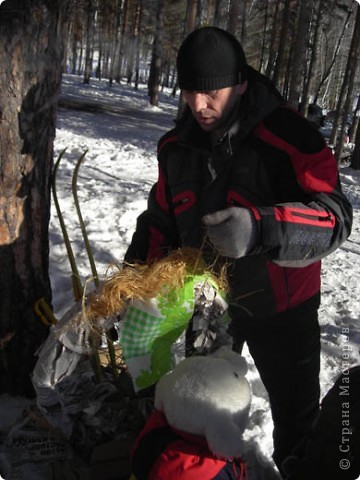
pixel 232 231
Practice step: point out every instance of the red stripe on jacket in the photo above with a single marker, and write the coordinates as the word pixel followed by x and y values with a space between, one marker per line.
pixel 315 218
pixel 164 142
pixel 316 172
pixel 235 196
pixel 160 194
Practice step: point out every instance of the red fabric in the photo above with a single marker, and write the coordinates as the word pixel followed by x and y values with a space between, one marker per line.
pixel 156 420
pixel 234 196
pixel 165 141
pixel 183 201
pixel 292 285
pixel 305 216
pixel 186 461
pixel 303 285
pixel 188 458
pixel 160 195
pixel 315 172
pixel 156 239
pixel 278 282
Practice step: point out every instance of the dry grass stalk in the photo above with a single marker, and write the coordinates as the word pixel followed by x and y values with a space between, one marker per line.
pixel 143 282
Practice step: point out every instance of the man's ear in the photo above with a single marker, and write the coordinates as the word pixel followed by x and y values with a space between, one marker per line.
pixel 241 88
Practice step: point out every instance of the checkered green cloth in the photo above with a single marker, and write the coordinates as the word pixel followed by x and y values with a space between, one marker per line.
pixel 140 330
pixel 151 327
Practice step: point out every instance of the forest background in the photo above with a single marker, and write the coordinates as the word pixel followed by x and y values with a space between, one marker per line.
pixel 309 48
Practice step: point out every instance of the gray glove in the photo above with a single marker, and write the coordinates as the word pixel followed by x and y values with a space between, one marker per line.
pixel 232 231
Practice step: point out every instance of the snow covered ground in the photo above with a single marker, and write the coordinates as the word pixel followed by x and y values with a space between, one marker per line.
pixel 120 134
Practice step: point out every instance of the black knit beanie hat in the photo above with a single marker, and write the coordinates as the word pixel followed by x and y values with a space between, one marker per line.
pixel 210 58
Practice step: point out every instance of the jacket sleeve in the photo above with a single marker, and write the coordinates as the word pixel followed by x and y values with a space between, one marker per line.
pixel 155 232
pixel 300 233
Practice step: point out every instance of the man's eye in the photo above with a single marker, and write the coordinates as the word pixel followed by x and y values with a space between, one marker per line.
pixel 206 93
pixel 211 93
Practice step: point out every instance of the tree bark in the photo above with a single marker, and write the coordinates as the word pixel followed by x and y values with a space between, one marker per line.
pixel 355 122
pixel 123 36
pixel 336 50
pixel 191 15
pixel 115 43
pixel 31 53
pixel 218 17
pixel 355 157
pixel 234 17
pixel 90 33
pixel 264 39
pixel 273 42
pixel 156 58
pixel 313 61
pixel 284 39
pixel 298 62
pixel 344 102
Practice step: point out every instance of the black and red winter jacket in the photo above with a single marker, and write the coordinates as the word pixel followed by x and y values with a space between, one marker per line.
pixel 270 160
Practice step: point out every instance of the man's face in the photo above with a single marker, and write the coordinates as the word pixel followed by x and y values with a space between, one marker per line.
pixel 211 108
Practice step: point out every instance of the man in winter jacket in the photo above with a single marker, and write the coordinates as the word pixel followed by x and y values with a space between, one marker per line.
pixel 253 184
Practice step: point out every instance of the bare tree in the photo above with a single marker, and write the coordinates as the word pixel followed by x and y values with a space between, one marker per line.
pixel 330 54
pixel 264 35
pixel 301 54
pixel 217 14
pixel 313 58
pixel 123 35
pixel 76 32
pixel 298 66
pixel 115 43
pixel 31 53
pixel 280 63
pixel 243 20
pixel 156 58
pixel 355 157
pixel 234 12
pixel 355 121
pixel 191 16
pixel 134 44
pixel 273 41
pixel 346 95
pixel 90 34
pixel 137 31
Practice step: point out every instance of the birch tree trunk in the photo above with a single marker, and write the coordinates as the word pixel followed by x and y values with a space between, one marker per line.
pixel 31 53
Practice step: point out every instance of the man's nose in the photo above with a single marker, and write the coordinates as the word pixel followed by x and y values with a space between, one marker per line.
pixel 199 102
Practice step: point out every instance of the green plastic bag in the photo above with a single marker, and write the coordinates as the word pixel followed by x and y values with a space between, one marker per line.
pixel 150 328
